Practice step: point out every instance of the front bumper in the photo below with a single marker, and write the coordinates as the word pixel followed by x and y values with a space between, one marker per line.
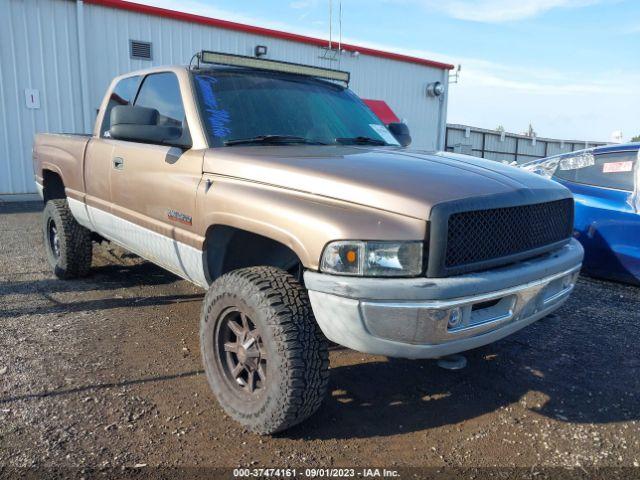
pixel 434 317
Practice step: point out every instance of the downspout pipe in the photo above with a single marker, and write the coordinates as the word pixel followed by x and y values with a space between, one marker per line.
pixel 442 116
pixel 84 80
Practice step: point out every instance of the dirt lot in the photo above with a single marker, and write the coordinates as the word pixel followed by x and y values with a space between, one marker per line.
pixel 106 372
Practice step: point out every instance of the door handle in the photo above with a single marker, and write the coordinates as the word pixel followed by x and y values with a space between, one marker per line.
pixel 118 163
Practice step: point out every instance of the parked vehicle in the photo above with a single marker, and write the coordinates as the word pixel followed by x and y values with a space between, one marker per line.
pixel 605 182
pixel 273 187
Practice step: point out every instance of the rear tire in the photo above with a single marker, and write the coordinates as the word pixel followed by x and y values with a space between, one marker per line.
pixel 67 243
pixel 265 357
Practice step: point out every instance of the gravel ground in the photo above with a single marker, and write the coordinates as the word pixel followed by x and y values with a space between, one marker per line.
pixel 106 373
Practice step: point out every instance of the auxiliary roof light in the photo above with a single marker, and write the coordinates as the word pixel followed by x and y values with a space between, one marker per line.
pixel 273 65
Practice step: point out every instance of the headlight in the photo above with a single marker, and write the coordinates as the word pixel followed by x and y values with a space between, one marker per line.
pixel 373 259
pixel 547 167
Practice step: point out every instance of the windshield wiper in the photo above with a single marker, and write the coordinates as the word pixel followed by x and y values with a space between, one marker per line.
pixel 360 141
pixel 275 139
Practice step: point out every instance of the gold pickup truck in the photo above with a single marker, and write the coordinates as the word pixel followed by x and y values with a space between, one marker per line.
pixel 272 186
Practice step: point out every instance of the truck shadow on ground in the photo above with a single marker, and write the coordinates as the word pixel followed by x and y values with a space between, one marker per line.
pixel 105 277
pixel 102 278
pixel 99 386
pixel 578 366
pixel 387 398
pixel 100 305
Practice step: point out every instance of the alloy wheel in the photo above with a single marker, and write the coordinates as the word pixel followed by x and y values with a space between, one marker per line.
pixel 54 238
pixel 242 352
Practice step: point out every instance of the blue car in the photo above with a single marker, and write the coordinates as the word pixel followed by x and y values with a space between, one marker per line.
pixel 605 182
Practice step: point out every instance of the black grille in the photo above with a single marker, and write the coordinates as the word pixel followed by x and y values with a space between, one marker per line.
pixel 482 235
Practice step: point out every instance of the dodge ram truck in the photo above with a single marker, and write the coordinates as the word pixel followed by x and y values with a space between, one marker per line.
pixel 273 187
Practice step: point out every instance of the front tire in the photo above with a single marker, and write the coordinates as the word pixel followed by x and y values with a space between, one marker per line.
pixel 67 243
pixel 265 357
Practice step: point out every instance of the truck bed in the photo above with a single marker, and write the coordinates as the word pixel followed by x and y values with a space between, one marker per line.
pixel 61 153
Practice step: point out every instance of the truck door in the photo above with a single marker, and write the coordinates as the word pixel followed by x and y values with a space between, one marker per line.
pixel 98 160
pixel 153 188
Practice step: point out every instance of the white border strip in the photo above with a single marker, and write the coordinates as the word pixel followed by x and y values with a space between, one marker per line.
pixel 183 260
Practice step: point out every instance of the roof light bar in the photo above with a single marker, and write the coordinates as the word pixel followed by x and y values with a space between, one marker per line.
pixel 274 65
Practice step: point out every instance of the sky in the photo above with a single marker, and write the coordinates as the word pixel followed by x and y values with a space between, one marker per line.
pixel 571 68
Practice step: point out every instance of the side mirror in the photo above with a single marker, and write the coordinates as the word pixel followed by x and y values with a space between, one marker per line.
pixel 140 124
pixel 401 132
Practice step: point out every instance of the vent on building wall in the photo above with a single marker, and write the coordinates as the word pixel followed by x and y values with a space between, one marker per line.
pixel 140 50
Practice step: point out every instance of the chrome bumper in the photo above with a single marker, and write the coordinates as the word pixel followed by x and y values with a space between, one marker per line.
pixel 432 327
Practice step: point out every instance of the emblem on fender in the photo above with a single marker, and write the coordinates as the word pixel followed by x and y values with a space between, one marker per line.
pixel 179 217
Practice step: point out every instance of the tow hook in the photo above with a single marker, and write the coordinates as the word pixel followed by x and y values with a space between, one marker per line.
pixel 453 362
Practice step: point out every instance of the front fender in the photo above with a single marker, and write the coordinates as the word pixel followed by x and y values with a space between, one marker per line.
pixel 303 222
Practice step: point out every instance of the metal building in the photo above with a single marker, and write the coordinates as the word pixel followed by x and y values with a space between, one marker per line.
pixel 507 147
pixel 57 58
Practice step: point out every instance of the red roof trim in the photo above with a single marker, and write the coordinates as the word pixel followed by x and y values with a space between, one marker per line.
pixel 189 17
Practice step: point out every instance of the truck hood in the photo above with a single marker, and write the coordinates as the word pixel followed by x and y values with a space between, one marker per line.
pixel 402 181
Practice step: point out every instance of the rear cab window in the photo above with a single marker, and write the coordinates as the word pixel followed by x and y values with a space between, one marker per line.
pixel 614 170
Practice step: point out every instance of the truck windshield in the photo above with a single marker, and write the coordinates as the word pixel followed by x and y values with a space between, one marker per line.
pixel 253 108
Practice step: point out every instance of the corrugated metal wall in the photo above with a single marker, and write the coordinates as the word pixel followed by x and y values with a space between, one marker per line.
pixel 39 50
pixel 402 85
pixel 490 144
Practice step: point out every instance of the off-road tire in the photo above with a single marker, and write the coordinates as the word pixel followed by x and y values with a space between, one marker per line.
pixel 296 351
pixel 74 241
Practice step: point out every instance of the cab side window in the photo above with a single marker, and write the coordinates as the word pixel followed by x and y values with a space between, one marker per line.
pixel 162 92
pixel 123 94
pixel 609 170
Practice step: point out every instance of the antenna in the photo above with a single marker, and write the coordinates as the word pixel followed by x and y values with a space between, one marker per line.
pixel 328 52
pixel 340 28
pixel 330 22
